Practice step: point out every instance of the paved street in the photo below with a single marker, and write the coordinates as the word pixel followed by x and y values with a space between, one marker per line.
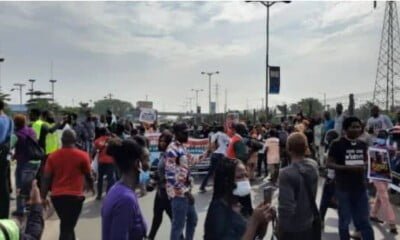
pixel 89 225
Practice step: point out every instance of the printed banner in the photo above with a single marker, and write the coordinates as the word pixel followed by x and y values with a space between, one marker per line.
pixel 379 164
pixel 147 115
pixel 195 146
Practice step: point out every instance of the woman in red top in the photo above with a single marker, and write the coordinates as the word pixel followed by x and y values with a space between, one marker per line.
pixel 106 162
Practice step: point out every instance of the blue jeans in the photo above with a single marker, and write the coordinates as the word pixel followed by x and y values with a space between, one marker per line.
pixel 215 158
pixel 182 212
pixel 354 205
pixel 24 174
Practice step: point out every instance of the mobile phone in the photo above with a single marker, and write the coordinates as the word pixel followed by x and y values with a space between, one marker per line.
pixel 268 193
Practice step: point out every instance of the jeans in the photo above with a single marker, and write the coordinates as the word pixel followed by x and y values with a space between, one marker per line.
pixel 215 158
pixel 24 174
pixel 4 188
pixel 274 172
pixel 182 212
pixel 107 169
pixel 328 192
pixel 354 205
pixel 68 209
pixel 161 204
pixel 262 159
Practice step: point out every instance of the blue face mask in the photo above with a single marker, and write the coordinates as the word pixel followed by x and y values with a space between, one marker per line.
pixel 380 141
pixel 144 177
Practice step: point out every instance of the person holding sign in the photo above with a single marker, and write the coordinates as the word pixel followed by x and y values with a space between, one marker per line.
pixel 380 174
pixel 347 156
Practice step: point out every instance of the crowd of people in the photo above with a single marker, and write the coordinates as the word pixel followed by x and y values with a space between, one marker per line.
pixel 58 162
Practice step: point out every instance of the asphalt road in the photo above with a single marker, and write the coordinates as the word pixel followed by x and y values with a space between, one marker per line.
pixel 89 224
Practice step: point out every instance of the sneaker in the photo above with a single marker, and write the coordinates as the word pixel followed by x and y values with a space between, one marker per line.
pixel 17 214
pixel 355 235
pixel 394 231
pixel 375 219
pixel 202 190
pixel 98 198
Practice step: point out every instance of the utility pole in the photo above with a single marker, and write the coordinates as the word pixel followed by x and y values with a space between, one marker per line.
pixel 209 87
pixel 32 81
pixel 226 101
pixel 20 86
pixel 216 97
pixel 52 81
pixel 1 61
pixel 197 95
pixel 109 96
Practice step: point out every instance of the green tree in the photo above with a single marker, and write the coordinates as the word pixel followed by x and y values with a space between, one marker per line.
pixel 310 106
pixel 364 111
pixel 43 104
pixel 117 106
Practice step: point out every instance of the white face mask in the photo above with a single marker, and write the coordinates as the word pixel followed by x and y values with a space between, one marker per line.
pixel 242 189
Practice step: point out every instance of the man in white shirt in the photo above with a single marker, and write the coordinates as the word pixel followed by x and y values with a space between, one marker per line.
pixel 219 142
pixel 378 121
pixel 339 118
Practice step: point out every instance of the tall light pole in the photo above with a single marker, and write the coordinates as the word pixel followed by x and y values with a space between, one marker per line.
pixel 267 5
pixel 32 81
pixel 197 96
pixel 1 60
pixel 20 86
pixel 190 99
pixel 52 81
pixel 209 88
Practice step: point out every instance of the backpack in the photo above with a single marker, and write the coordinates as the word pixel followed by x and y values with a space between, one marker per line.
pixel 33 149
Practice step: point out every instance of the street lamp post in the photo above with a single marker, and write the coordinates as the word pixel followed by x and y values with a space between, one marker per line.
pixel 209 88
pixel 32 81
pixel 52 81
pixel 267 4
pixel 197 96
pixel 20 86
pixel 1 60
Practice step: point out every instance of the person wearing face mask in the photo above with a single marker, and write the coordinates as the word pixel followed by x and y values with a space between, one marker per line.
pixel 224 220
pixel 382 197
pixel 120 214
pixel 348 157
pixel 298 214
pixel 161 201
pixel 378 121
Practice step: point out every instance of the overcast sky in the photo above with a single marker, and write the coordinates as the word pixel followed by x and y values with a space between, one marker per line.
pixel 134 49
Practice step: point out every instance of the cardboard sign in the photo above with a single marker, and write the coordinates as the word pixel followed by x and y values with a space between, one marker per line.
pixel 379 164
pixel 147 115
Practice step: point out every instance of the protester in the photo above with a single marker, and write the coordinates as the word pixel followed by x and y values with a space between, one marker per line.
pixel 328 122
pixel 348 157
pixel 237 149
pixel 9 229
pixel 89 126
pixel 220 142
pixel 382 196
pixel 6 130
pixel 161 201
pixel 105 162
pixel 261 158
pixel 224 219
pixel 121 217
pixel 318 144
pixel 273 155
pixel 24 163
pixel 177 174
pixel 49 128
pixel 65 172
pixel 298 184
pixel 378 121
pixel 328 199
pixel 339 118
pixel 144 176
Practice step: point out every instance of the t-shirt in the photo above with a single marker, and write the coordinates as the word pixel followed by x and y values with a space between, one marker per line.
pixel 339 124
pixel 318 134
pixel 273 156
pixel 382 122
pixel 350 153
pixel 222 140
pixel 101 145
pixel 6 128
pixel 68 167
pixel 121 217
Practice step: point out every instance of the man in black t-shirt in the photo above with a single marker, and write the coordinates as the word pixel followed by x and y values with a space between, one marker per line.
pixel 348 157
